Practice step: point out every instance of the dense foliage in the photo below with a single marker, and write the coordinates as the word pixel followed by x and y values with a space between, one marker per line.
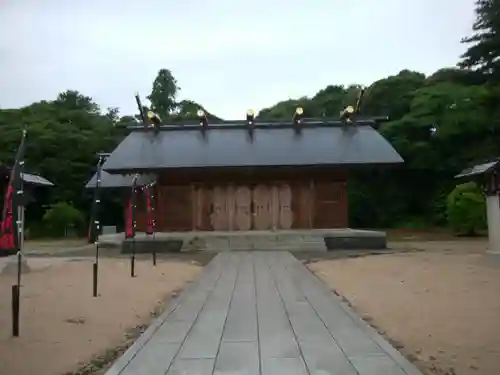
pixel 461 104
pixel 466 209
pixel 62 218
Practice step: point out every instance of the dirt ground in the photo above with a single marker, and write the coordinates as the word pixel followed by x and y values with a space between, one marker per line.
pixel 438 303
pixel 63 326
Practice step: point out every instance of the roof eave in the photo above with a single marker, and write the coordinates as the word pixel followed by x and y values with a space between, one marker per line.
pixel 159 169
pixel 472 173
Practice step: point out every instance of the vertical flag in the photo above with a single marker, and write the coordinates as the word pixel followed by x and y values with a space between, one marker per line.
pixel 6 230
pixel 151 207
pixel 128 218
pixel 130 223
pixel 94 225
pixel 11 226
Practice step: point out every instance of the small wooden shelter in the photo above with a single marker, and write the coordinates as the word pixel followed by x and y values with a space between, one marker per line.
pixel 30 182
pixel 121 184
pixel 487 175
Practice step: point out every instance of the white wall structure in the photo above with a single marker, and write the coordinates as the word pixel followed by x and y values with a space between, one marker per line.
pixel 493 217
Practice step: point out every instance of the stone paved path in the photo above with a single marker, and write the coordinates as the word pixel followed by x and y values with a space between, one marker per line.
pixel 260 313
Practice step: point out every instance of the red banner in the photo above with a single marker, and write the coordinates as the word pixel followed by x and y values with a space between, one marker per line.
pixel 129 220
pixel 9 227
pixel 150 214
pixel 6 227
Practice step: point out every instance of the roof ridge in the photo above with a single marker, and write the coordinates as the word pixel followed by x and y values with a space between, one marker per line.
pixel 256 126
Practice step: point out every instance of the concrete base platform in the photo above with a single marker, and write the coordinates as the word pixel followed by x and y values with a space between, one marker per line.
pixel 355 240
pixel 150 245
pixel 290 240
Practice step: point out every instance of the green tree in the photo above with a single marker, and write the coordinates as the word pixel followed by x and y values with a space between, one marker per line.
pixel 466 209
pixel 453 75
pixel 64 136
pixel 163 94
pixel 328 102
pixel 73 100
pixel 392 96
pixel 285 109
pixel 61 218
pixel 483 52
pixel 188 110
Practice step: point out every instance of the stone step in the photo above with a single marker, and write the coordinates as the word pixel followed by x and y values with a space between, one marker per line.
pixel 267 249
pixel 256 242
pixel 318 240
pixel 267 246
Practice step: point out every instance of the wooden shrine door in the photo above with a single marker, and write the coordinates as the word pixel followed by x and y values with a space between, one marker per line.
pixel 262 208
pixel 242 215
pixel 243 208
pixel 330 206
pixel 219 217
pixel 174 209
pixel 285 207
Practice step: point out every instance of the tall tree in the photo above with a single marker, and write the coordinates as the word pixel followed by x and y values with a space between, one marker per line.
pixel 164 93
pixel 391 96
pixel 73 100
pixel 188 110
pixel 330 101
pixel 484 45
pixel 65 136
pixel 285 109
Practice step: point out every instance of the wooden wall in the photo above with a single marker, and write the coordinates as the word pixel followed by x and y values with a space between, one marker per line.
pixel 250 200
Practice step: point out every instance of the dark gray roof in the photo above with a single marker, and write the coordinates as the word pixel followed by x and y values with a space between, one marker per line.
pixel 119 181
pixel 28 178
pixel 232 147
pixel 35 180
pixel 478 169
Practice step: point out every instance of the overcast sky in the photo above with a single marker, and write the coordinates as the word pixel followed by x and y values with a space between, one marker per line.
pixel 228 55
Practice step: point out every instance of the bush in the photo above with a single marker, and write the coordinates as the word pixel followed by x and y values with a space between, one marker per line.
pixel 62 218
pixel 466 209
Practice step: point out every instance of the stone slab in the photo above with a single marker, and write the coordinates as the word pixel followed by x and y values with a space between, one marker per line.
pixel 192 366
pixel 237 358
